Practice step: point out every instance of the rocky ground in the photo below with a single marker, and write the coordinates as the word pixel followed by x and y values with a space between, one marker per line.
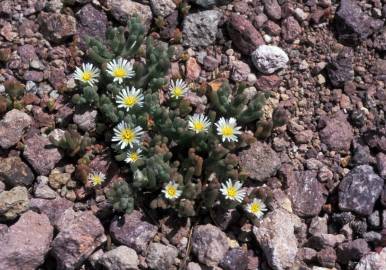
pixel 325 169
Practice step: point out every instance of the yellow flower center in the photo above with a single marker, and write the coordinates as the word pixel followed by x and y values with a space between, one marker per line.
pixel 134 156
pixel 255 208
pixel 171 191
pixel 127 135
pixel 198 126
pixel 87 75
pixel 120 72
pixel 97 180
pixel 227 131
pixel 130 101
pixel 177 91
pixel 232 192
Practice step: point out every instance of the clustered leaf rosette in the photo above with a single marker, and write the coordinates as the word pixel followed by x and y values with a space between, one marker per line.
pixel 186 158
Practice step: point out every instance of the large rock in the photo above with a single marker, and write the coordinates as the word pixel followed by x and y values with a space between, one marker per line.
pixel 74 244
pixel 337 134
pixel 340 69
pixel 41 154
pixel 268 59
pixel 244 35
pixel 124 10
pixel 359 190
pixel 57 27
pixel 54 209
pixel 161 257
pixel 307 194
pixel 14 172
pixel 352 251
pixel 259 161
pixel 373 261
pixel 276 236
pixel 162 8
pixel 133 231
pixel 12 127
pixel 352 25
pixel 13 203
pixel 200 29
pixel 120 258
pixel 26 243
pixel 91 22
pixel 209 244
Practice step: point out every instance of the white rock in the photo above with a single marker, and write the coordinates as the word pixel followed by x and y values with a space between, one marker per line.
pixel 120 258
pixel 268 59
pixel 373 261
pixel 162 8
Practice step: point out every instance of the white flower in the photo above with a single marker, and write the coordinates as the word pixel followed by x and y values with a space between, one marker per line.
pixel 120 69
pixel 87 74
pixel 171 191
pixel 178 88
pixel 256 207
pixel 133 156
pixel 199 123
pixel 96 178
pixel 232 191
pixel 128 98
pixel 228 129
pixel 126 135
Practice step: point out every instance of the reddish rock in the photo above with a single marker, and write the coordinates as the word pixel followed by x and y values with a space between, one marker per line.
pixel 25 244
pixel 337 134
pixel 193 69
pixel 245 37
pixel 27 53
pixel 290 29
pixel 267 82
pixel 33 75
pixel 56 27
pixel 12 127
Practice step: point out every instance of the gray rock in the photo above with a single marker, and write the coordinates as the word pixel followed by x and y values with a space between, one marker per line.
pixel 124 10
pixel 235 259
pixel 13 203
pixel 340 68
pixel 373 261
pixel 276 236
pixel 41 154
pixel 54 209
pixel 133 231
pixel 337 134
pixel 209 3
pixel 259 161
pixel 12 127
pixel 120 258
pixel 359 190
pixel 307 194
pixel 26 243
pixel 272 9
pixel 74 244
pixel 161 257
pixel 14 172
pixel 209 244
pixel 268 59
pixel 42 190
pixel 200 29
pixel 381 164
pixel 240 71
pixel 193 266
pixel 352 251
pixel 86 121
pixel 352 25
pixel 318 226
pixel 162 8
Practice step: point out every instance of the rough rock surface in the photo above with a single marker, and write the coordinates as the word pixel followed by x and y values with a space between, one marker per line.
pixel 12 127
pixel 340 68
pixel 200 29
pixel 268 59
pixel 57 27
pixel 260 161
pixel 72 246
pixel 123 10
pixel 120 258
pixel 14 172
pixel 352 251
pixel 209 244
pixel 244 36
pixel 359 190
pixel 373 261
pixel 276 236
pixel 162 8
pixel 41 154
pixel 133 231
pixel 86 121
pixel 306 193
pixel 161 257
pixel 337 134
pixel 26 243
pixel 13 203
